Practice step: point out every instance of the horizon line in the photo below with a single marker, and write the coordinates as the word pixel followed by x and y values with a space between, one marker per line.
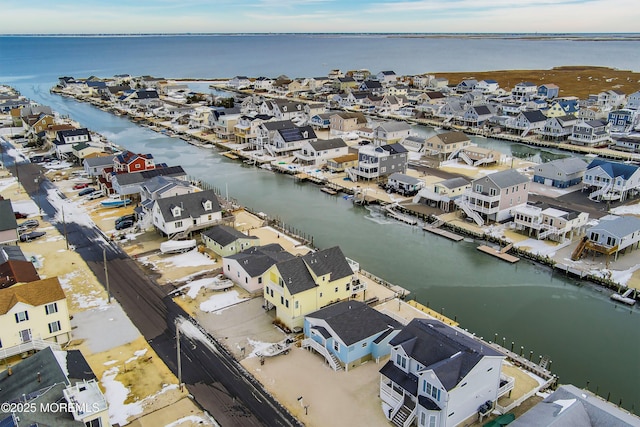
pixel 321 33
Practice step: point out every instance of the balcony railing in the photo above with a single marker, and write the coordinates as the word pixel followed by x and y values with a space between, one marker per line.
pixel 388 394
pixel 507 384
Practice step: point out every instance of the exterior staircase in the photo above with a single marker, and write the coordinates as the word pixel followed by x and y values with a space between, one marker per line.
pixel 466 158
pixel 333 361
pixel 483 160
pixel 401 416
pixel 547 232
pixel 454 154
pixel 462 204
pixel 352 176
pixel 577 253
pixel 602 190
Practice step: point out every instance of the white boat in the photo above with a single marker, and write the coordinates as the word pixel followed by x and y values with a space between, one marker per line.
pixel 220 284
pixel 275 349
pixel 624 298
pixel 177 246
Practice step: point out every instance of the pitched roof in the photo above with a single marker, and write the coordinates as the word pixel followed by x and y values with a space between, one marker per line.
pixel 191 205
pixel 16 271
pixel 396 148
pixel 258 259
pixel 11 252
pixel 297 133
pixel 328 261
pixel 534 116
pixel 404 178
pixel 282 124
pixel 454 182
pixel 621 226
pixel 614 169
pixel 7 216
pixel 354 321
pixel 296 276
pixel 99 161
pixel 395 126
pixel 569 165
pixel 139 177
pixel 453 137
pixel 35 294
pixel 506 178
pixel 328 144
pixel 224 235
pixel 451 353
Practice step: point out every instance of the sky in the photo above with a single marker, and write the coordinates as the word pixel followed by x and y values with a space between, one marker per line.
pixel 317 16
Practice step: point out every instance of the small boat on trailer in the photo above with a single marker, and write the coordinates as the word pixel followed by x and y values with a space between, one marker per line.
pixel 275 349
pixel 115 203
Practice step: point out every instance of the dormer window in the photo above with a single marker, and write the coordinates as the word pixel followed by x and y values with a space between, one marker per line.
pixel 207 205
pixel 176 211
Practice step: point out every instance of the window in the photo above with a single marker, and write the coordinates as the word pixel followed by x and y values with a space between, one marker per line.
pixel 281 299
pixel 336 289
pixel 178 223
pixel 432 421
pixel 296 304
pixel 51 308
pixel 22 316
pixel 401 361
pixel 336 345
pixel 54 326
pixel 286 303
pixel 320 294
pixel 260 280
pixel 364 345
pixel 266 289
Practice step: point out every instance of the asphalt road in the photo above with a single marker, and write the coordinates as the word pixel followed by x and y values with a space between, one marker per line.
pixel 219 384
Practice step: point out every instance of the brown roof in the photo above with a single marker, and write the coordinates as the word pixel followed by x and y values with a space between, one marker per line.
pixel 36 293
pixel 452 137
pixel 60 127
pixel 345 158
pixel 15 271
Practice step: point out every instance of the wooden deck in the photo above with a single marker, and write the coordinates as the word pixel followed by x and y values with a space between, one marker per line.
pixel 444 233
pixel 230 155
pixel 498 254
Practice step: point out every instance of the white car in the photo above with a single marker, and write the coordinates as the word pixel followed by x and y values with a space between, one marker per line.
pixel 95 195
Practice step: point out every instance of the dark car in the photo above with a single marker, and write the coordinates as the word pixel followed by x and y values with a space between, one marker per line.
pixel 127 223
pixel 86 191
pixel 20 215
pixel 29 224
pixel 130 217
pixel 27 237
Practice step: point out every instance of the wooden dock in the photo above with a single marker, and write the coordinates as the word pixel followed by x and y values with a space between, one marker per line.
pixel 498 254
pixel 329 191
pixel 230 155
pixel 444 233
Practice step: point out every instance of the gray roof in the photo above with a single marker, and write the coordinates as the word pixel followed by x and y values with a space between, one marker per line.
pixel 99 161
pixel 355 321
pixel 296 272
pixel 11 252
pixel 569 165
pixel 162 182
pixel 395 148
pixel 620 226
pixel 258 259
pixel 295 275
pixel 296 133
pixel 452 137
pixel 571 406
pixel 534 116
pixel 395 126
pixel 7 216
pixel 454 182
pixel 282 124
pixel 404 178
pixel 192 205
pixel 328 144
pixel 140 177
pixel 506 178
pixel 224 235
pixel 451 353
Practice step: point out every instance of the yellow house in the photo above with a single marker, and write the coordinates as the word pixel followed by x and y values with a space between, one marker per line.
pixel 302 285
pixel 32 313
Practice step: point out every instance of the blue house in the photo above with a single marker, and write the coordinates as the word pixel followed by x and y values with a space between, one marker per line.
pixel 621 120
pixel 549 91
pixel 560 173
pixel 349 333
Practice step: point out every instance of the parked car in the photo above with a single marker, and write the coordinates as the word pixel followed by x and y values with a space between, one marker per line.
pixel 86 191
pixel 81 185
pixel 20 215
pixel 130 217
pixel 29 224
pixel 27 237
pixel 95 195
pixel 127 223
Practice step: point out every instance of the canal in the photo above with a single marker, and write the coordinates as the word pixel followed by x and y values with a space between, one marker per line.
pixel 588 337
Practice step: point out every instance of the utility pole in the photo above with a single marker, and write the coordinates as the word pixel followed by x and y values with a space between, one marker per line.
pixel 106 274
pixel 178 355
pixel 64 227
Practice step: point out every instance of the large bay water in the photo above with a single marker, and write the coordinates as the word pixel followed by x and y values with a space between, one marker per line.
pixel 587 337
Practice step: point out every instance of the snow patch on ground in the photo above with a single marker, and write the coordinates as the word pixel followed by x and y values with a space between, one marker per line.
pixel 89 300
pixel 221 301
pixel 258 346
pixel 91 325
pixel 627 210
pixel 189 420
pixel 188 259
pixel 538 247
pixel 67 210
pixel 116 394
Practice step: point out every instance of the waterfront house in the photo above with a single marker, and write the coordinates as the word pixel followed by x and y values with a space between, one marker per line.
pixel 180 216
pixel 447 144
pixel 511 109
pixel 263 84
pixel 404 184
pixel 391 132
pixel 414 144
pixel 558 128
pixel 283 109
pixel 563 107
pixel 349 333
pixel 36 124
pixel 246 128
pixel 320 121
pixel 286 141
pixel 82 150
pixel 633 101
pixel 622 120
pixel 377 162
pixel 569 405
pixel 478 156
pixel 493 197
pixel 443 193
pixel 629 143
pixel 550 222
pixel 225 240
pixel 387 77
pixel 342 163
pixel 66 139
pixel 345 84
pixel 477 115
pixel 592 113
pixel 487 86
pixel 391 104
pixel 305 284
pixel 249 267
pixel 161 186
pixel 33 314
pixel 359 75
pixel 128 162
pixel 61 381
pixel 317 152
pixel 267 130
pixel 373 86
pixel 8 224
pixel 440 376
pixel 526 122
pixel 466 85
pixel 609 180
pixel 548 91
pixel 560 173
pixel 592 133
pixel 222 122
pixel 613 235
pixel 14 267
pixel 94 166
pixel 316 84
pixel 439 83
pixel 524 91
pixel 616 98
pixel 453 109
pixel 473 98
pixel 239 82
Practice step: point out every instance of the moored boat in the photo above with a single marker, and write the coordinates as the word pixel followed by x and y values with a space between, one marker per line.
pixel 115 203
pixel 624 298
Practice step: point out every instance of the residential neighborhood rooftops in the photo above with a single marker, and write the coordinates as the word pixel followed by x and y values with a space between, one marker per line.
pixel 192 205
pixel 614 169
pixel 224 235
pixel 257 259
pixel 35 294
pixel 619 226
pixel 453 137
pixel 454 182
pixel 328 144
pixel 506 178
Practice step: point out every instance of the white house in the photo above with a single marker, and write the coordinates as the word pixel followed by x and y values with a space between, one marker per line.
pixel 524 91
pixel 611 236
pixel 439 376
pixel 391 132
pixel 608 180
pixel 319 151
pixel 554 223
pixel 592 133
pixel 248 268
pixel 183 214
